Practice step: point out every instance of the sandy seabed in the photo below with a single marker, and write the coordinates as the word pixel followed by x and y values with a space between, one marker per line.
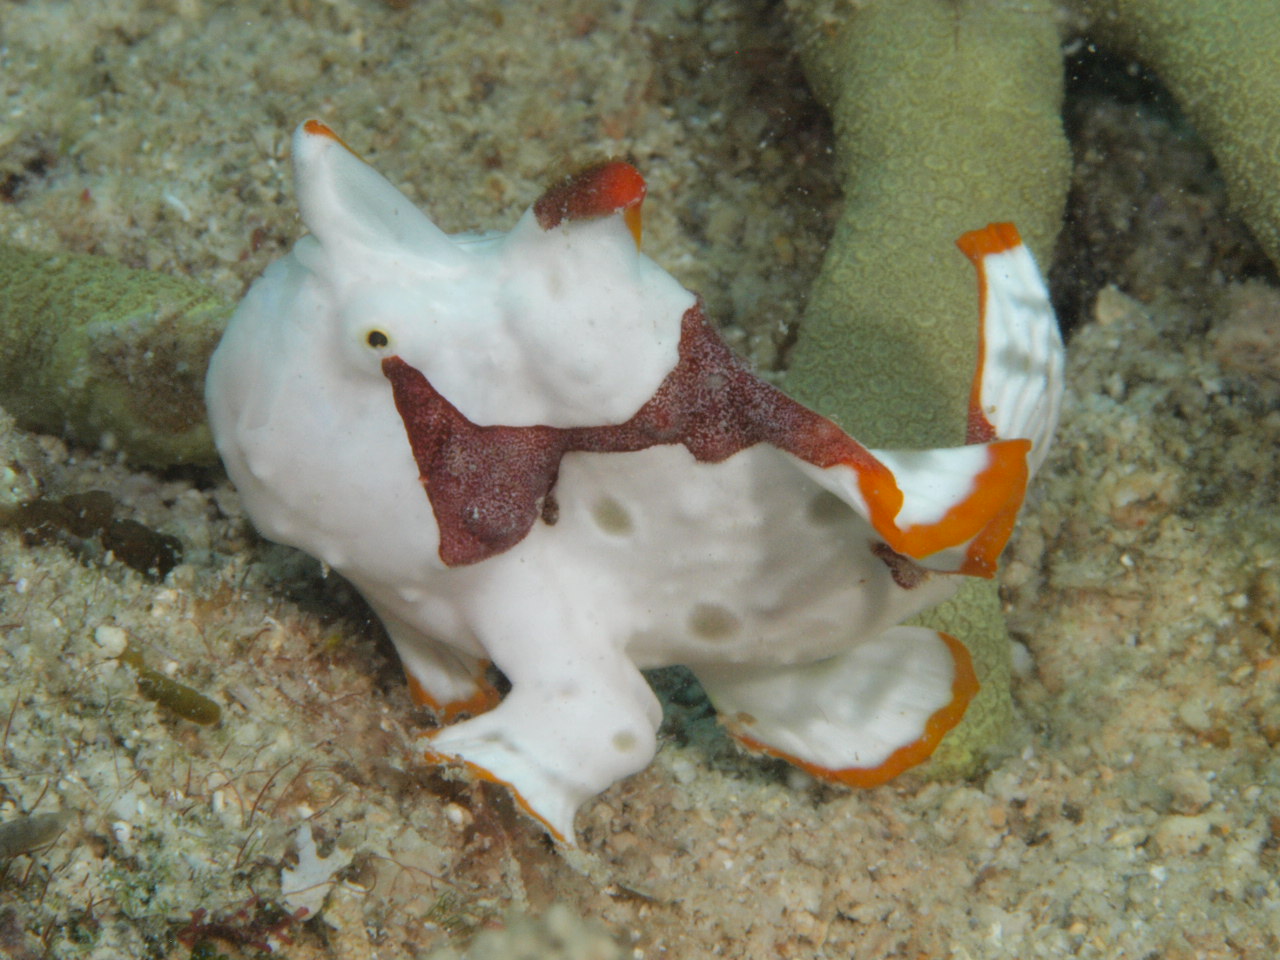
pixel 1139 817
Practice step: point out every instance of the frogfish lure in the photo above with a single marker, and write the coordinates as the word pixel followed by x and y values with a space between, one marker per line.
pixel 530 449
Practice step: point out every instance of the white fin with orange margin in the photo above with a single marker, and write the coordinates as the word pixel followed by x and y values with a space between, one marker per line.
pixel 558 739
pixel 959 504
pixel 442 678
pixel 1018 385
pixel 861 717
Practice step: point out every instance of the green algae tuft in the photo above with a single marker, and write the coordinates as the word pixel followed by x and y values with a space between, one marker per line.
pixel 80 520
pixel 178 698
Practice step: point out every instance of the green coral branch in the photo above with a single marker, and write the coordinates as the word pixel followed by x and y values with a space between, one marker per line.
pixel 107 355
pixel 947 117
pixel 1221 61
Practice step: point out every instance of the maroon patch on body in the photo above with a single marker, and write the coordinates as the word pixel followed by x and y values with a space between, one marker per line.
pixel 979 428
pixel 906 572
pixel 488 484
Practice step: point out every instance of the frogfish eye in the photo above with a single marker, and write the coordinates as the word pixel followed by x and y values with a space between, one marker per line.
pixel 377 339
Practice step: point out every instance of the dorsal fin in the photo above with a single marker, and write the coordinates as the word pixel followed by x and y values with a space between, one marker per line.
pixel 599 191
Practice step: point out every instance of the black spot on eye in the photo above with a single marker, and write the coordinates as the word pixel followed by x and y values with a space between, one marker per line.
pixel 376 339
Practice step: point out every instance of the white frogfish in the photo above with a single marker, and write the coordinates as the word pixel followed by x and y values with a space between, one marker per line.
pixel 531 450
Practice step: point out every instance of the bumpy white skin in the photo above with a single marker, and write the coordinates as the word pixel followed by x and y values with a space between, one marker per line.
pixel 757 572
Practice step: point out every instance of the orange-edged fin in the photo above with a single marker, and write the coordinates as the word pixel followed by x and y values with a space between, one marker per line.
pixel 480 773
pixel 974 508
pixel 953 510
pixel 1018 381
pixel 993 238
pixel 316 128
pixel 600 191
pixel 964 687
pixel 483 700
pixel 977 245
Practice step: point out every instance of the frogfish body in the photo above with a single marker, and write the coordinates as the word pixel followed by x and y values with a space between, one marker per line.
pixel 532 450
